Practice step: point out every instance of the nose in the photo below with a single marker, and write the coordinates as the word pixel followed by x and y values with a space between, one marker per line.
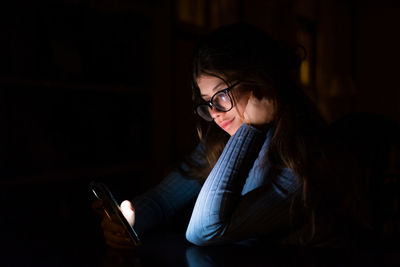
pixel 214 113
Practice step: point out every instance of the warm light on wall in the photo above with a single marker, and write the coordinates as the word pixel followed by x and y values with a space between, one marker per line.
pixel 191 12
pixel 305 73
pixel 306 39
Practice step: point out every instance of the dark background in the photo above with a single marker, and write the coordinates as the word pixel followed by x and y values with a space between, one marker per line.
pixel 99 90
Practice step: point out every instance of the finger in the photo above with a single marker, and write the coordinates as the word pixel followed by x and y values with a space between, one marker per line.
pixel 117 239
pixel 128 211
pixel 112 226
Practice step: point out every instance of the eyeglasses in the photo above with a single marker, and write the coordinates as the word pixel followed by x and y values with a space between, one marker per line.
pixel 221 101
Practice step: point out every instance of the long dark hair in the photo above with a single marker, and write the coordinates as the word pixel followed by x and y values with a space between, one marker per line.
pixel 301 139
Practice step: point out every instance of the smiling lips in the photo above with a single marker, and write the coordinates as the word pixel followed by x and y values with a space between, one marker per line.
pixel 225 124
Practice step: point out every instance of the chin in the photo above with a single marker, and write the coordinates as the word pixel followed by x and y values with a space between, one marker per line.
pixel 233 129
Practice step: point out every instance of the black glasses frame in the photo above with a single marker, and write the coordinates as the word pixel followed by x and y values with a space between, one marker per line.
pixel 210 102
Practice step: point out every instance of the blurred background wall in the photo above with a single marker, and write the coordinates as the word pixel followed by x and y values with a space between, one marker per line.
pixel 99 90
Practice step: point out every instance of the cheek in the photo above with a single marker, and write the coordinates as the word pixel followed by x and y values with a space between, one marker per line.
pixel 238 122
pixel 241 107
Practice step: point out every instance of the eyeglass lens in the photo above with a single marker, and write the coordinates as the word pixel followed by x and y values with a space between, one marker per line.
pixel 221 101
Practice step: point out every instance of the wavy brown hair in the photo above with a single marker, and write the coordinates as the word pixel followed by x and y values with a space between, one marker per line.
pixel 301 139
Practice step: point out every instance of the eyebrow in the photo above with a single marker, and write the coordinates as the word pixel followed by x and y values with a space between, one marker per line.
pixel 216 87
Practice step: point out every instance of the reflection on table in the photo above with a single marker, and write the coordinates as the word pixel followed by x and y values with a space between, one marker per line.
pixel 171 249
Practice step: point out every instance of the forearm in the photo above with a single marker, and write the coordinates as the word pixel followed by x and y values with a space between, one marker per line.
pixel 221 192
pixel 162 202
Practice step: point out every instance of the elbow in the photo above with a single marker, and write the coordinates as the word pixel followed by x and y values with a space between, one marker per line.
pixel 200 237
pixel 195 239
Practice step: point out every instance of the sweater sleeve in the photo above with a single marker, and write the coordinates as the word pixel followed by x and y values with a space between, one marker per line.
pixel 157 205
pixel 226 210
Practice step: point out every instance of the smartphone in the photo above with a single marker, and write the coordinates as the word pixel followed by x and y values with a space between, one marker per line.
pixel 112 209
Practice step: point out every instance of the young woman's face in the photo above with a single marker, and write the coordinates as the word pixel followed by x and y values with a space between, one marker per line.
pixel 231 120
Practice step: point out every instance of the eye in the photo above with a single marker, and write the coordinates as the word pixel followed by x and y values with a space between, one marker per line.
pixel 221 97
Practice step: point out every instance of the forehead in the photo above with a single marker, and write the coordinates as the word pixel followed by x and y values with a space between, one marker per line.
pixel 210 84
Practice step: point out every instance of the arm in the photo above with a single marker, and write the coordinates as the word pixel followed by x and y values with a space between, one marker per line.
pixel 221 213
pixel 160 203
pixel 157 205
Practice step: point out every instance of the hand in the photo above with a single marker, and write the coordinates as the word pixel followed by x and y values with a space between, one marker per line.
pixel 128 211
pixel 114 232
pixel 259 111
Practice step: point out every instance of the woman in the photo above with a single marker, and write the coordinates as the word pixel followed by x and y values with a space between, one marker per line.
pixel 266 165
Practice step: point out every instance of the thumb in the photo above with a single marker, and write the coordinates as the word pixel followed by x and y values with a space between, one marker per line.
pixel 128 211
